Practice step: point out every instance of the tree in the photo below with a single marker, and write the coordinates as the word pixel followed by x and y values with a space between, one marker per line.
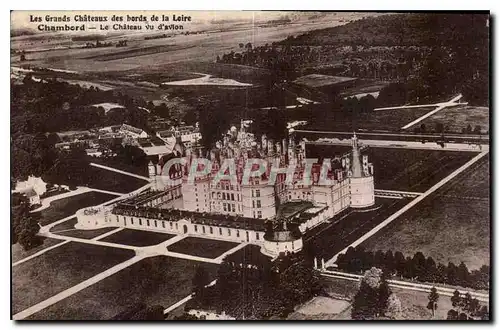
pixel 452 315
pixel 24 225
pixel 200 279
pixel 371 300
pixel 433 299
pixel 456 299
pixel 463 275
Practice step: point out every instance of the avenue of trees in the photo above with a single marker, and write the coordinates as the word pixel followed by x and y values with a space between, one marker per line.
pixel 418 267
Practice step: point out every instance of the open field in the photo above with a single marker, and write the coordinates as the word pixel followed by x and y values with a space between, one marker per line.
pixel 112 181
pixel 329 239
pixel 401 169
pixel 451 225
pixel 201 247
pixel 120 165
pixel 154 281
pixel 384 121
pixel 319 308
pixel 413 170
pixel 62 208
pixel 59 269
pixel 137 237
pixel 18 252
pixel 457 118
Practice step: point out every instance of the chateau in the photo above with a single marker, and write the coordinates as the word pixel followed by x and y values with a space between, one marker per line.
pixel 245 189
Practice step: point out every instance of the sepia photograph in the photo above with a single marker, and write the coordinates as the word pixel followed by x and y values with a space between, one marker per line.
pixel 250 165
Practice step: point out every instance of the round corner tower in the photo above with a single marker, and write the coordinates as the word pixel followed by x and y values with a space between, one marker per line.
pixel 361 180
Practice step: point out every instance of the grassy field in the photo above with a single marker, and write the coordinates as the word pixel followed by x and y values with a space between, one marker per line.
pixel 67 228
pixel 451 225
pixel 154 281
pixel 457 118
pixel 18 252
pixel 112 181
pixel 137 237
pixel 413 170
pixel 201 247
pixel 401 169
pixel 86 234
pixel 120 165
pixel 56 270
pixel 62 208
pixel 332 238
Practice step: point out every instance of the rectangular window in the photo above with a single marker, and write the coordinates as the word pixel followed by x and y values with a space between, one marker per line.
pixel 211 230
pixel 140 222
pixel 258 203
pixel 156 223
pixel 253 203
pixel 232 196
pixel 257 236
pixel 203 229
pixel 163 224
pixel 171 225
pixel 224 206
pixel 228 232
pixel 195 228
pixel 252 193
pixel 259 214
pixel 224 196
pixel 147 221
pixel 220 231
pixel 234 209
pixel 132 220
pixel 257 193
pixel 237 233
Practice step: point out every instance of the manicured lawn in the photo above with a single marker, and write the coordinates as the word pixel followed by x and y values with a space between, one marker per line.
pixel 18 252
pixel 59 269
pixel 451 225
pixel 153 281
pixel 67 228
pixel 201 247
pixel 66 225
pixel 137 237
pixel 62 208
pixel 249 254
pixel 333 238
pixel 87 234
pixel 121 165
pixel 112 181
